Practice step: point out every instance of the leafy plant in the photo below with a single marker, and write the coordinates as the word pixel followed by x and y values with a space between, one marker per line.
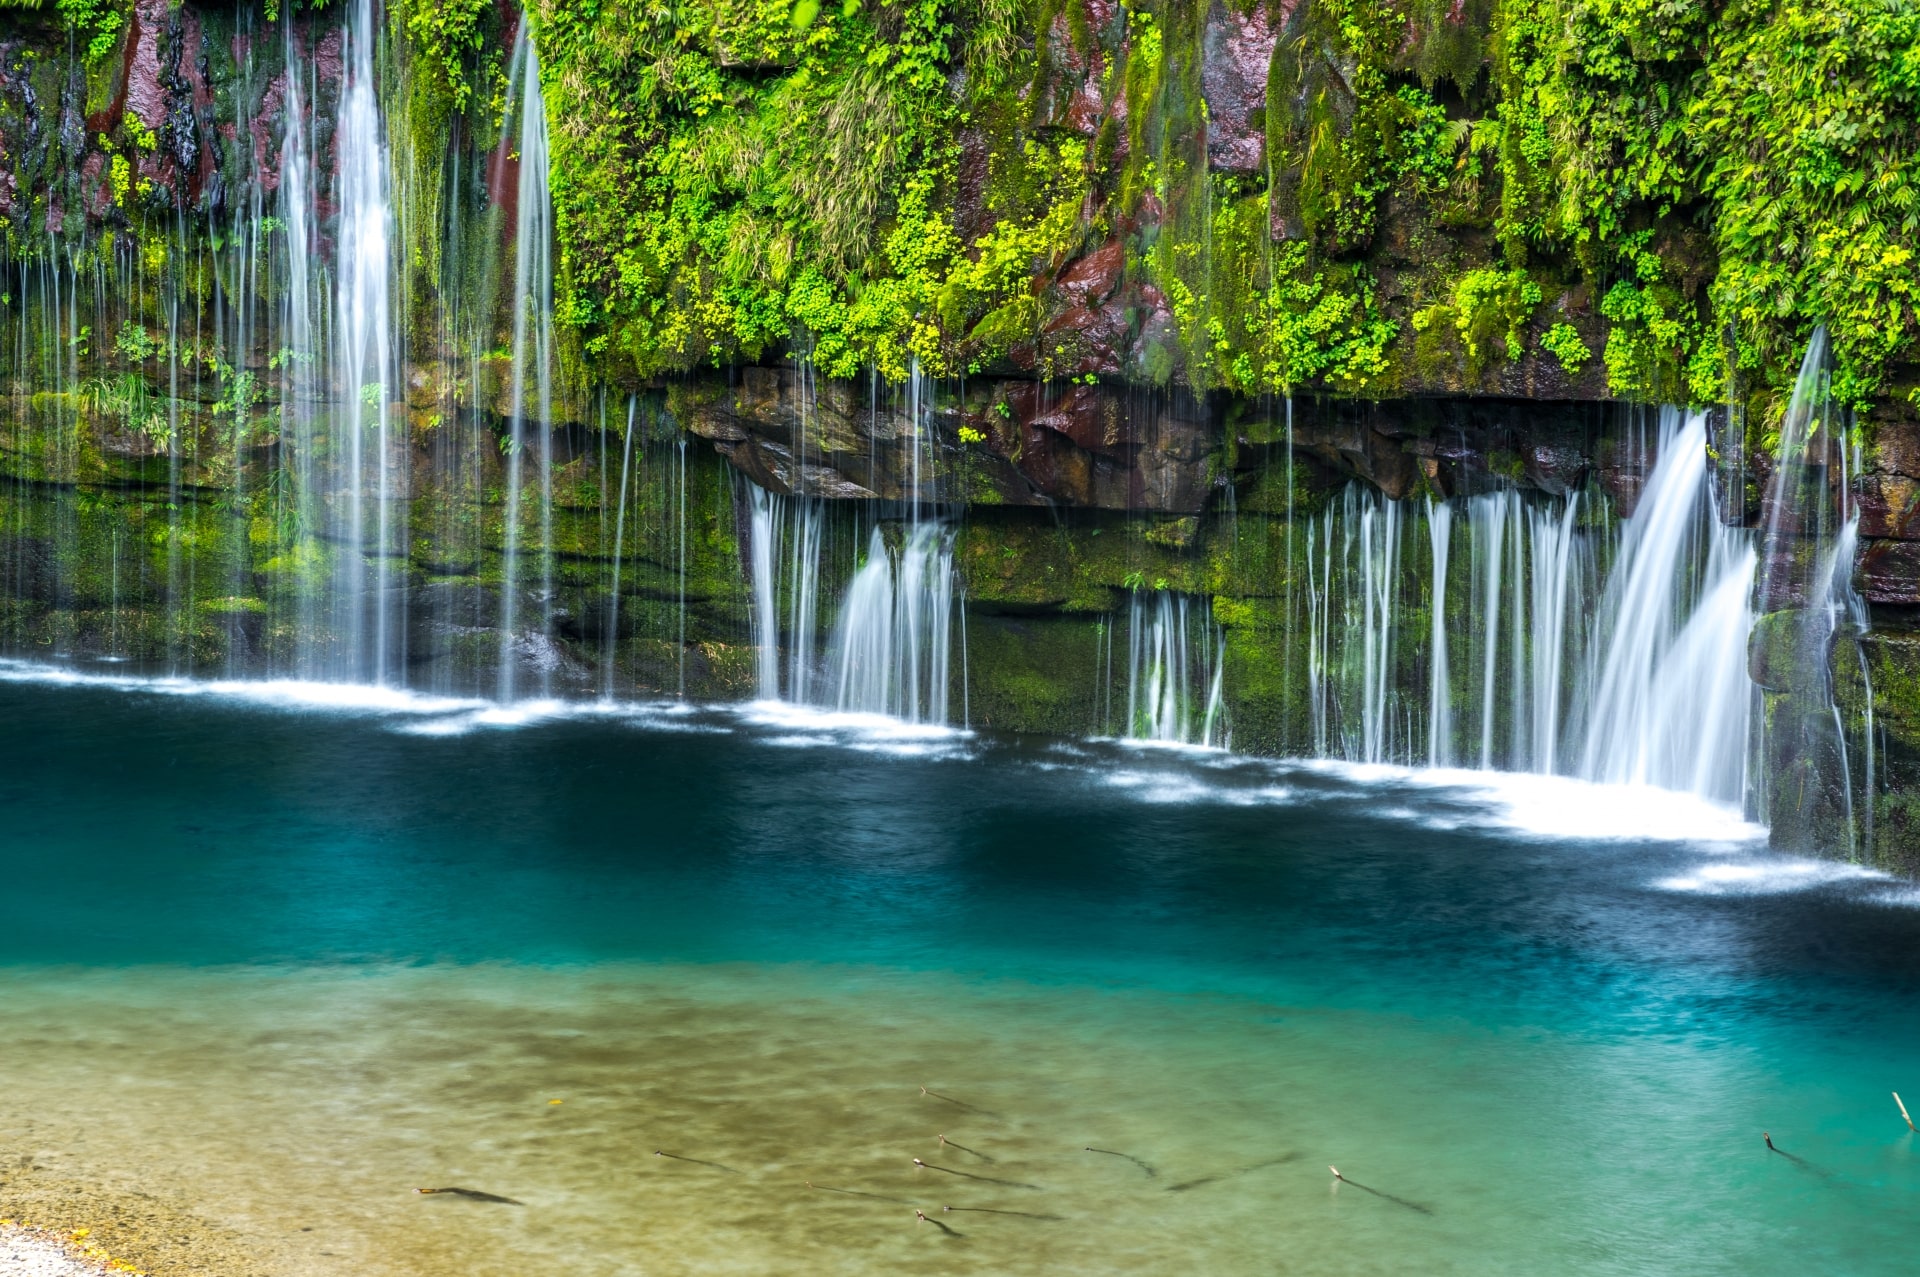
pixel 1563 342
pixel 95 21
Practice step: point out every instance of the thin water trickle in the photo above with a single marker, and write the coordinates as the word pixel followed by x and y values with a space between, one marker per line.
pixel 297 509
pixel 680 647
pixel 531 423
pixel 1440 697
pixel 366 608
pixel 1809 612
pixel 619 552
pixel 1176 670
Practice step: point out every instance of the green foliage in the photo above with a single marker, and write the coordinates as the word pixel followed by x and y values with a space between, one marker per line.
pixel 273 7
pixel 1341 133
pixel 1808 116
pixel 448 35
pixel 1563 342
pixel 718 168
pixel 134 345
pixel 95 21
pixel 885 185
pixel 1789 131
pixel 1490 304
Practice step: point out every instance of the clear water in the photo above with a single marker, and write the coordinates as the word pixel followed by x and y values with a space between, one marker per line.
pixel 289 952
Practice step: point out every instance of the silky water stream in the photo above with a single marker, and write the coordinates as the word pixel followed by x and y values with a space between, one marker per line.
pixel 297 950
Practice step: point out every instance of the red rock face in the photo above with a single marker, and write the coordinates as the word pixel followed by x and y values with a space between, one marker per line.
pixel 145 97
pixel 1239 49
pixel 265 130
pixel 1109 447
pixel 1076 92
pixel 1090 331
pixel 1889 573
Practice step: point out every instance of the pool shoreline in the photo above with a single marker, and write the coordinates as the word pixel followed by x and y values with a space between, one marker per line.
pixel 58 1225
pixel 29 1250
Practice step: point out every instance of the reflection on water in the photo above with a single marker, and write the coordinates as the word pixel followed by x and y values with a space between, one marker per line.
pixel 288 959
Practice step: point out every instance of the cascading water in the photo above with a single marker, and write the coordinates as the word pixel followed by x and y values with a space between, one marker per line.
pixel 891 648
pixel 296 479
pixel 1500 628
pixel 1810 620
pixel 532 385
pixel 368 613
pixel 612 640
pixel 1652 691
pixel 1527 574
pixel 1439 701
pixel 1176 667
pixel 784 542
pixel 893 645
pixel 1356 594
pixel 1672 702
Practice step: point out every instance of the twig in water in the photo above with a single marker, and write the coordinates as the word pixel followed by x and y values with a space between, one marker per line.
pixel 947 1143
pixel 1151 1173
pixel 854 1192
pixel 1903 1113
pixel 957 1103
pixel 1398 1201
pixel 1244 1170
pixel 924 1218
pixel 1796 1159
pixel 994 1210
pixel 473 1193
pixel 984 1179
pixel 696 1161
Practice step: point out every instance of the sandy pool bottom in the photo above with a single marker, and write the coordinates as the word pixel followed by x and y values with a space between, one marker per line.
pixel 278 1121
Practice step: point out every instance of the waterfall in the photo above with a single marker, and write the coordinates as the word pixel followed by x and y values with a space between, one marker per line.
pixel 762 541
pixel 297 477
pixel 619 550
pixel 894 642
pixel 1176 669
pixel 1672 702
pixel 784 545
pixel 1439 698
pixel 1554 596
pixel 1355 597
pixel 532 370
pixel 365 613
pixel 1811 618
pixel 1634 674
pixel 1487 516
pixel 891 648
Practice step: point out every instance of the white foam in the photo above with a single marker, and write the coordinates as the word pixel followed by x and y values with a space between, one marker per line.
pixel 1362 773
pixel 1562 807
pixel 1176 787
pixel 1171 747
pixel 1544 806
pixel 1556 807
pixel 853 723
pixel 659 716
pixel 1161 787
pixel 1764 877
pixel 284 693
